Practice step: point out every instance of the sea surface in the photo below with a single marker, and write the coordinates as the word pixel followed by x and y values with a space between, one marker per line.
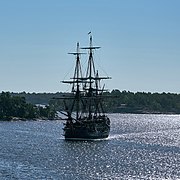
pixel 139 147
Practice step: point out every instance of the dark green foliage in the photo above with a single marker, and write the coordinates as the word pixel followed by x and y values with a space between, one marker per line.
pixel 142 102
pixel 16 107
pixel 116 101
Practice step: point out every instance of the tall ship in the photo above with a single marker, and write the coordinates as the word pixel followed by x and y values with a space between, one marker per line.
pixel 83 106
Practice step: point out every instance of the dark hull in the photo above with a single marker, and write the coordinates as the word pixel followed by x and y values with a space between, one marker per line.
pixel 87 130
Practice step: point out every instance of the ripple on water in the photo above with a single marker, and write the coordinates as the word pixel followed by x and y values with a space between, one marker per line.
pixel 139 147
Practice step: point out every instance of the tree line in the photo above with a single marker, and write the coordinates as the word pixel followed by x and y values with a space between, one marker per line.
pixel 16 107
pixel 141 102
pixel 24 105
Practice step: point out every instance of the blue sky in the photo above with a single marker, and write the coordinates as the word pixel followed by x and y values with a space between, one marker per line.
pixel 140 42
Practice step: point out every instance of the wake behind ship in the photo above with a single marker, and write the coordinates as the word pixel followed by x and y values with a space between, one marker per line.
pixel 83 107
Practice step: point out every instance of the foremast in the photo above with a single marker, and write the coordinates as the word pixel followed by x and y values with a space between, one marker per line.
pixel 76 83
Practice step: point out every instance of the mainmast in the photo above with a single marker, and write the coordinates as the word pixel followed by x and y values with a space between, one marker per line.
pixel 90 75
pixel 91 72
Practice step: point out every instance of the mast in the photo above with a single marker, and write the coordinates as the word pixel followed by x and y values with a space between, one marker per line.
pixel 77 71
pixel 76 81
pixel 90 75
pixel 91 72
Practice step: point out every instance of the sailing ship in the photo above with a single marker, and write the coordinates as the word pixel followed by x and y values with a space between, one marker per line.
pixel 83 107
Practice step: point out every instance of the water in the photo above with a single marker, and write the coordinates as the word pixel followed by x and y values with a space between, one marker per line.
pixel 139 147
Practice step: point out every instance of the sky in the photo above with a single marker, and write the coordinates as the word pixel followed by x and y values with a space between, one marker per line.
pixel 139 39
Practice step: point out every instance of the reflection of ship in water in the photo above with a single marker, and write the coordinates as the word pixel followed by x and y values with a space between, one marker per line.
pixel 85 99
